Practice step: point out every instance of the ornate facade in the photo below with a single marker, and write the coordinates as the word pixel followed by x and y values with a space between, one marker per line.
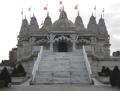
pixel 63 36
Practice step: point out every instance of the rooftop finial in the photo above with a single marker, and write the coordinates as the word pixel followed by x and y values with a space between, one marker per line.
pixel 48 13
pixel 22 13
pixel 103 12
pixel 95 10
pixel 46 9
pixel 33 15
pixel 101 16
pixel 25 16
pixel 92 13
pixel 63 8
pixel 78 13
pixel 30 10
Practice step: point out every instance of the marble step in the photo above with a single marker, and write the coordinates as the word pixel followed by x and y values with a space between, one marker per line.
pixel 66 67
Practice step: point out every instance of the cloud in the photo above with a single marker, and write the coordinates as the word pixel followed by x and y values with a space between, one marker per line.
pixel 116 36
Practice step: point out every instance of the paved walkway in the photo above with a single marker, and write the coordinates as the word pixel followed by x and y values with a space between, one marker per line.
pixel 59 87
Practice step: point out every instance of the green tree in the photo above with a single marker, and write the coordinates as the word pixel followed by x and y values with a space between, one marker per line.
pixel 14 72
pixel 20 70
pixel 114 77
pixel 5 76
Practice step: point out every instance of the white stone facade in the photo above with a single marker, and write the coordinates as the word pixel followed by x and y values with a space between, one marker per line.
pixel 62 36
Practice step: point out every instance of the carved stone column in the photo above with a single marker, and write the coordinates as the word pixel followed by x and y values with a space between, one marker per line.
pixel 74 38
pixel 74 49
pixel 51 46
pixel 51 42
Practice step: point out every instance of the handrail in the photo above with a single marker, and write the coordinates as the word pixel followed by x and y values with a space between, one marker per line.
pixel 36 64
pixel 87 64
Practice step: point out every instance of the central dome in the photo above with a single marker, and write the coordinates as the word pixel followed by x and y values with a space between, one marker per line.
pixel 63 24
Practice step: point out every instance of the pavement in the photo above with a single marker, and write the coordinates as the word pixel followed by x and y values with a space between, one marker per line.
pixel 61 87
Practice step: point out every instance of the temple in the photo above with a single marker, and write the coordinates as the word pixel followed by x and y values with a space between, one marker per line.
pixel 63 51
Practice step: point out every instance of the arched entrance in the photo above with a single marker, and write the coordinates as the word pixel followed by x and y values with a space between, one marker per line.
pixel 62 46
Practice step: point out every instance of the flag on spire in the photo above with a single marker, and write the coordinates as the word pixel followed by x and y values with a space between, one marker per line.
pixel 95 11
pixel 60 2
pixel 103 10
pixel 95 8
pixel 76 7
pixel 46 7
pixel 22 13
pixel 29 9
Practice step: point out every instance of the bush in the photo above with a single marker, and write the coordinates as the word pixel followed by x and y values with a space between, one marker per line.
pixel 114 77
pixel 19 71
pixel 105 71
pixel 2 83
pixel 14 72
pixel 5 76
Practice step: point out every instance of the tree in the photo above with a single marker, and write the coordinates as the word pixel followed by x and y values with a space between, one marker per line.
pixel 5 76
pixel 19 71
pixel 14 72
pixel 107 71
pixel 114 77
pixel 103 69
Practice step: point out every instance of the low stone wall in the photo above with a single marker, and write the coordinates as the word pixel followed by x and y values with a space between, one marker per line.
pixel 97 65
pixel 28 66
pixel 18 80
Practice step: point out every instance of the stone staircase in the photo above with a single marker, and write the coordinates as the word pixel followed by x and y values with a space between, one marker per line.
pixel 62 68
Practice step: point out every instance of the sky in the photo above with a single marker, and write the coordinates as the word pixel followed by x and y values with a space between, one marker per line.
pixel 11 18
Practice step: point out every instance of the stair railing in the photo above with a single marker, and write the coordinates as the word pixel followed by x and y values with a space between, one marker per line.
pixel 87 63
pixel 36 64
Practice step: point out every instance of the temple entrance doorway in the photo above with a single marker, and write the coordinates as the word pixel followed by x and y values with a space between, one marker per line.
pixel 62 46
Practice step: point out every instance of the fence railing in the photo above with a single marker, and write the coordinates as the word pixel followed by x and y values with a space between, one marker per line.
pixel 87 63
pixel 36 64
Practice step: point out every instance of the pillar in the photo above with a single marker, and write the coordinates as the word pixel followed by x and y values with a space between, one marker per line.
pixel 51 46
pixel 51 42
pixel 74 41
pixel 74 49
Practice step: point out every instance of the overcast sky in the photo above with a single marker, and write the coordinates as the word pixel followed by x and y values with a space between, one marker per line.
pixel 11 18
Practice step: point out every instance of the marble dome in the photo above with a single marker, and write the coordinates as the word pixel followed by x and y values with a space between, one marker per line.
pixel 63 23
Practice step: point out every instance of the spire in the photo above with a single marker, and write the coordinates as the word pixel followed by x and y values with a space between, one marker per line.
pixel 24 30
pixel 79 23
pixel 92 25
pixel 101 21
pixel 34 24
pixel 102 26
pixel 47 21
